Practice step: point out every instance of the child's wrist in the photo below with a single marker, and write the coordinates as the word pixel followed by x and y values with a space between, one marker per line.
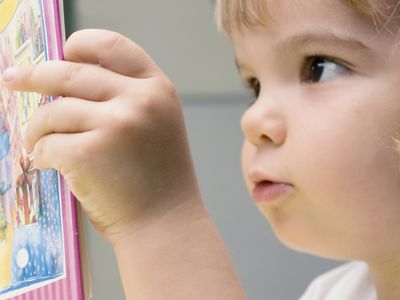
pixel 170 220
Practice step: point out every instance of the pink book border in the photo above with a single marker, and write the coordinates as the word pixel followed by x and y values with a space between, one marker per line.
pixel 70 287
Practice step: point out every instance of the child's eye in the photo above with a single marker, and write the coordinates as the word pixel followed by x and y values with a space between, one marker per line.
pixel 254 85
pixel 319 69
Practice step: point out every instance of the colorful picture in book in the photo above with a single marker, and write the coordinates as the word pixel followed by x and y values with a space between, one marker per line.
pixel 31 236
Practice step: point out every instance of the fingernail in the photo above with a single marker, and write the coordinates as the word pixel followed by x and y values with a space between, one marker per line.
pixel 10 74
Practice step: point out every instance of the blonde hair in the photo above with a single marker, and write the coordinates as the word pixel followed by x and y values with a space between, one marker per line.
pixel 238 14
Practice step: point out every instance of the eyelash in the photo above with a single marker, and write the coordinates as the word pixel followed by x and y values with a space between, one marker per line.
pixel 253 84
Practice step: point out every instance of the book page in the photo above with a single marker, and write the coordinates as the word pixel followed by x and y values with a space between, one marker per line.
pixel 31 228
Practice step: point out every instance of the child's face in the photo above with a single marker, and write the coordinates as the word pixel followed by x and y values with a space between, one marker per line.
pixel 324 125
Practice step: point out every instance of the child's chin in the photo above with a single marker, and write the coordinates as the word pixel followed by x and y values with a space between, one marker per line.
pixel 303 243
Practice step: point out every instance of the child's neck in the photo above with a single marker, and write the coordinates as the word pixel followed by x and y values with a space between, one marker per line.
pixel 386 276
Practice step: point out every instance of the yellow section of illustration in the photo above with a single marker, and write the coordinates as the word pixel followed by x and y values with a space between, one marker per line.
pixel 5 254
pixel 7 10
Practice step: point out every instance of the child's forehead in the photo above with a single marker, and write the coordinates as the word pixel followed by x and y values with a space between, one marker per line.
pixel 236 15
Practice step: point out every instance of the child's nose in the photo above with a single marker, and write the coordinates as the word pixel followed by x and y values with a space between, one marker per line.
pixel 263 122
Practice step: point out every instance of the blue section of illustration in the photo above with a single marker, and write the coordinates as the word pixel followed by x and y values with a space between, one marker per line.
pixel 5 163
pixel 37 252
pixel 4 142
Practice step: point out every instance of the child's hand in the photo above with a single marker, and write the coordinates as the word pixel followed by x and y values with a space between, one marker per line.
pixel 117 134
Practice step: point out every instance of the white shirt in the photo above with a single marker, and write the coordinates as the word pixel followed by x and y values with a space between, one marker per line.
pixel 351 281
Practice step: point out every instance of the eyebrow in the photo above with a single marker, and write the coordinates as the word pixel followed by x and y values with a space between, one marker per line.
pixel 329 38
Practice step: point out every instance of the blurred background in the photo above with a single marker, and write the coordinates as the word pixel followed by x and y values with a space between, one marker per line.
pixel 182 38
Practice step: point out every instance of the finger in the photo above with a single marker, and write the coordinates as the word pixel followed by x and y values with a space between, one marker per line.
pixel 61 78
pixel 59 151
pixel 112 51
pixel 62 116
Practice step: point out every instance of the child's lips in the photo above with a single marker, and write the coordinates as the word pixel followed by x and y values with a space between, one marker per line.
pixel 269 191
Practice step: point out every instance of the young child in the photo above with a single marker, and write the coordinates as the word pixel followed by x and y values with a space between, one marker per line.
pixel 319 157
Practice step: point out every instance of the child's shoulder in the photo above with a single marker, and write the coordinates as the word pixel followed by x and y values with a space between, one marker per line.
pixel 351 280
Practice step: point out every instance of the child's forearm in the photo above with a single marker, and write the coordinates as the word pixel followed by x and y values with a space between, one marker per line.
pixel 181 256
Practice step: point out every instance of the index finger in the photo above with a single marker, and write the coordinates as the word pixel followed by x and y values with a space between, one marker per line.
pixel 110 50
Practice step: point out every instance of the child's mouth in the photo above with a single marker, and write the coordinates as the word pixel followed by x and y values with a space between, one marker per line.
pixel 269 191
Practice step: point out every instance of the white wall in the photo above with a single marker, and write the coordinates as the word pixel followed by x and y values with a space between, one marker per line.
pixel 179 34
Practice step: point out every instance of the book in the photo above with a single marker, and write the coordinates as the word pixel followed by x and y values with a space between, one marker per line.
pixel 41 250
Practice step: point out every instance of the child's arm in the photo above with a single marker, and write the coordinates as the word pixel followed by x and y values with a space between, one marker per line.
pixel 180 256
pixel 118 138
